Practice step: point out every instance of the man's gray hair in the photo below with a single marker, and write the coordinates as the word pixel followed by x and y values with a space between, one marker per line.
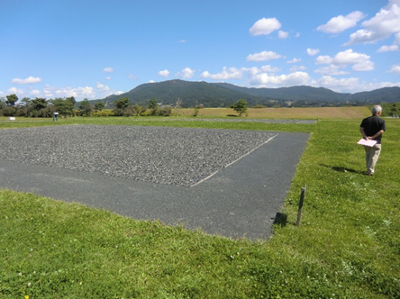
pixel 376 109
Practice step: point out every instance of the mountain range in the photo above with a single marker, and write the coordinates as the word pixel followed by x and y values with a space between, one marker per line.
pixel 205 94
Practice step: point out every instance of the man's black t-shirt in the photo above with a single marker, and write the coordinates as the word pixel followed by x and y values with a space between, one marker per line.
pixel 373 125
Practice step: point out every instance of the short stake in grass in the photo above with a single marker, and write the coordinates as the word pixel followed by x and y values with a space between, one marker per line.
pixel 303 191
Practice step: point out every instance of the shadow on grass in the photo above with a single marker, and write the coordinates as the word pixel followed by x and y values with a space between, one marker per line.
pixel 342 169
pixel 280 219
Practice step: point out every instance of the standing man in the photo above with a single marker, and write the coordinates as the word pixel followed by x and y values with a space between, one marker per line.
pixel 372 128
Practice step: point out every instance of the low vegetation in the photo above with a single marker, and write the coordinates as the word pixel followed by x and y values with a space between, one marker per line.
pixel 240 107
pixel 45 108
pixel 11 106
pixel 347 245
pixel 286 113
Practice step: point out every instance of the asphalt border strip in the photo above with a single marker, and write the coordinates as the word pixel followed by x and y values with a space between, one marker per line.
pixel 233 162
pixel 251 151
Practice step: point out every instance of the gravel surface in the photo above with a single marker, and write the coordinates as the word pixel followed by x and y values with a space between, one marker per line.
pixel 172 156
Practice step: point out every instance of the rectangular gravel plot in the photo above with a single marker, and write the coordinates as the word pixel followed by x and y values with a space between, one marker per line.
pixel 164 155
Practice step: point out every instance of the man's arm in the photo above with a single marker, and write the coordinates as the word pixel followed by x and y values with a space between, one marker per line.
pixel 379 133
pixel 363 133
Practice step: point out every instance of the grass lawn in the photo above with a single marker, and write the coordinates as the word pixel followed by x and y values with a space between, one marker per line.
pixel 285 113
pixel 348 244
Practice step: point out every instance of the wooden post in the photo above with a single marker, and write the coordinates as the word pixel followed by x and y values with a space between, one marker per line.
pixel 303 191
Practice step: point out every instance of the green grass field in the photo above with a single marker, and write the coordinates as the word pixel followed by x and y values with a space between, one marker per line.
pixel 347 246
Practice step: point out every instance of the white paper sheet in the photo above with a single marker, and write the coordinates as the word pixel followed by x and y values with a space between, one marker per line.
pixel 369 143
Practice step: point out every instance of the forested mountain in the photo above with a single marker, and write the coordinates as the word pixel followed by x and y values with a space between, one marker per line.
pixel 206 94
pixel 385 95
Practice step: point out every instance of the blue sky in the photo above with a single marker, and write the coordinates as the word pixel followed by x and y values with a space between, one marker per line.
pixel 94 48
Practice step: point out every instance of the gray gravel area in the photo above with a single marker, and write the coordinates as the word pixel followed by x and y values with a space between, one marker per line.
pixel 240 199
pixel 171 156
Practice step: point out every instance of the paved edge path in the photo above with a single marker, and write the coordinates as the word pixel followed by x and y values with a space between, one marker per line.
pixel 240 200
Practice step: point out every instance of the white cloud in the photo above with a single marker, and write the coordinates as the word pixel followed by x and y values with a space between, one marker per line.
pixel 362 36
pixel 103 91
pixel 267 80
pixel 237 74
pixel 351 85
pixel 263 56
pixel 297 68
pixel 363 66
pixel 182 41
pixel 350 57
pixel 35 93
pixel 339 85
pixel 341 23
pixel 283 34
pixel 102 88
pixel 265 26
pixel 79 92
pixel 29 80
pixel 186 73
pixel 205 74
pixel 268 68
pixel 14 90
pixel 108 70
pixel 323 60
pixel 388 48
pixel 361 62
pixel 132 76
pixel 48 91
pixel 331 70
pixel 381 26
pixel 294 60
pixel 108 78
pixel 312 52
pixel 225 74
pixel 395 69
pixel 164 73
pixel 253 71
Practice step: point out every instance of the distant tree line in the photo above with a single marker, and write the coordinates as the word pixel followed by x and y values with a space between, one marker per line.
pixel 38 107
pixel 68 107
pixel 391 109
pixel 122 107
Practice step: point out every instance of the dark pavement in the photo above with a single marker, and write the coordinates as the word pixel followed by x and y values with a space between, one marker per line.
pixel 240 200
